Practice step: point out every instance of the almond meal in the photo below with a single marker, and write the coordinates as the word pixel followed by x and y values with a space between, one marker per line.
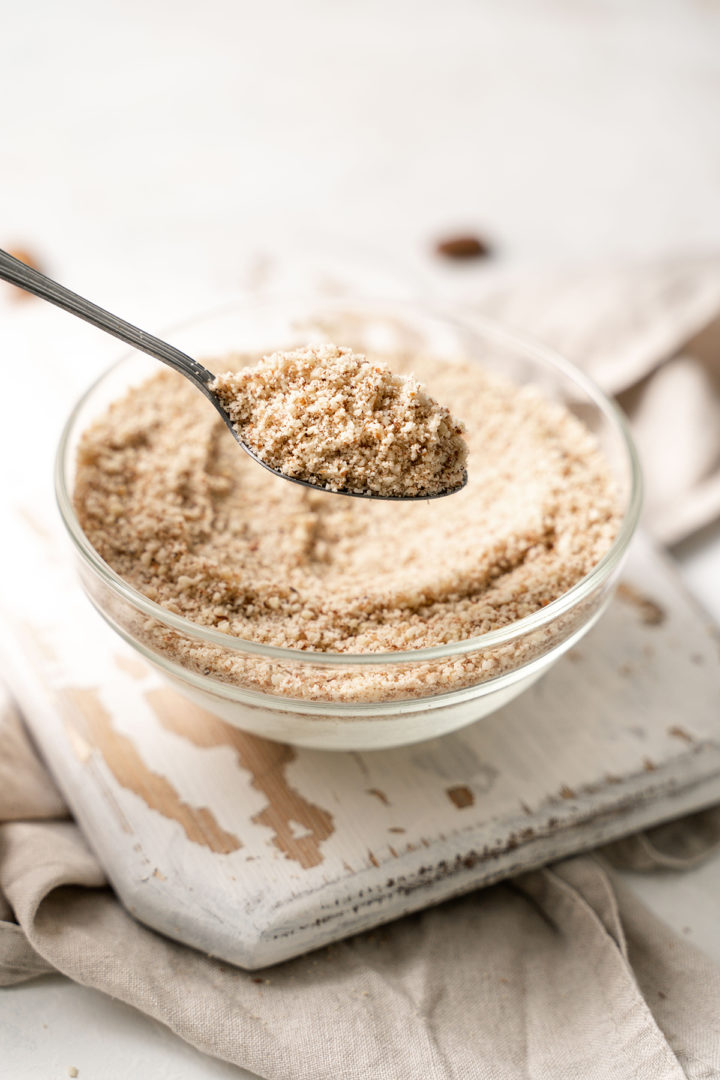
pixel 340 421
pixel 174 506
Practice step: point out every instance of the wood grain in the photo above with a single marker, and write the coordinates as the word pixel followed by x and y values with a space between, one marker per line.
pixel 266 762
pixel 91 727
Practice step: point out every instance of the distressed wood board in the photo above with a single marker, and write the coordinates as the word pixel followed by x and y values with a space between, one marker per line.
pixel 255 852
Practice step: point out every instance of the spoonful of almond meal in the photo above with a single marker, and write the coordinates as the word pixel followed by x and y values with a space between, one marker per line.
pixel 321 416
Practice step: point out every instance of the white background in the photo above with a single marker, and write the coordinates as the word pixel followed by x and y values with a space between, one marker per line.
pixel 155 155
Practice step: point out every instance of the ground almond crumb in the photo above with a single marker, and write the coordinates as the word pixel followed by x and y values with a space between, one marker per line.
pixel 340 421
pixel 170 502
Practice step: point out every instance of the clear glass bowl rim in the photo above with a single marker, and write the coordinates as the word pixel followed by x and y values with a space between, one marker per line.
pixel 506 634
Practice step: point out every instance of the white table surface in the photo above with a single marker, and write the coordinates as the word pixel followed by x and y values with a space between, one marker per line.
pixel 154 155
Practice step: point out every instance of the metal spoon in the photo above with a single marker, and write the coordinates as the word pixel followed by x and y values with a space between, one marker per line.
pixel 25 277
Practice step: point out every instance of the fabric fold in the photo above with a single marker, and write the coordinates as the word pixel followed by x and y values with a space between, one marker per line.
pixel 531 977
pixel 650 336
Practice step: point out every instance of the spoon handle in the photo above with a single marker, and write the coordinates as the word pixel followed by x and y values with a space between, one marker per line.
pixel 25 277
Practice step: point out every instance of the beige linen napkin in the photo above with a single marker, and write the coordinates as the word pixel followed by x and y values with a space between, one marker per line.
pixel 560 973
pixel 649 335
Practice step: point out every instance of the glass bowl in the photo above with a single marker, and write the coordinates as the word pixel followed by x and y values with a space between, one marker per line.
pixel 255 686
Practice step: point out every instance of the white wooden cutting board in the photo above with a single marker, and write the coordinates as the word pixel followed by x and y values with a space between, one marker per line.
pixel 254 851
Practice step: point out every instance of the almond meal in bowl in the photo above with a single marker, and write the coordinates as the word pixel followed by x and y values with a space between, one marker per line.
pixel 336 622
